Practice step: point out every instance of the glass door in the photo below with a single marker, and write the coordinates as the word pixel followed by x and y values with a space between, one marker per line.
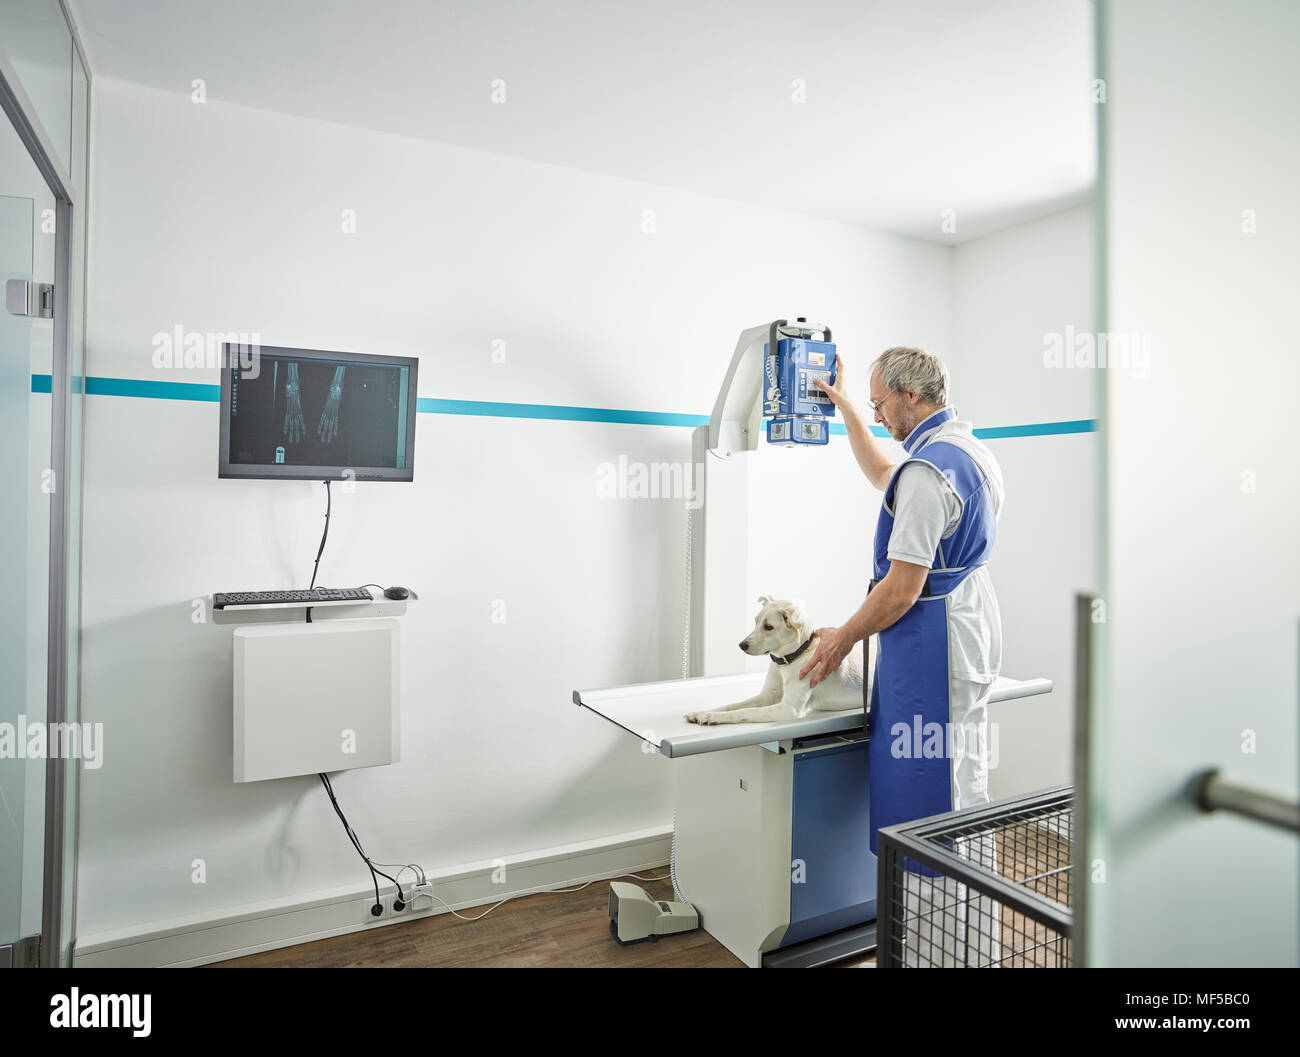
pixel 27 264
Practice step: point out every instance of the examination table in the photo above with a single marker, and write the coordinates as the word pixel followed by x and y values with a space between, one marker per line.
pixel 771 842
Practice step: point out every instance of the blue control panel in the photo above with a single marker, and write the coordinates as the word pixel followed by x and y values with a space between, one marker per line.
pixel 798 411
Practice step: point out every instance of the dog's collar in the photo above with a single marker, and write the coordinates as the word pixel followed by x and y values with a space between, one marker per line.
pixel 791 656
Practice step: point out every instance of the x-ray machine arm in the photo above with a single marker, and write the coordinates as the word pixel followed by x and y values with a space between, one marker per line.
pixel 721 609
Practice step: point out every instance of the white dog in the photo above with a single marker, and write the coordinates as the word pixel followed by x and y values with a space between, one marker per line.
pixel 780 630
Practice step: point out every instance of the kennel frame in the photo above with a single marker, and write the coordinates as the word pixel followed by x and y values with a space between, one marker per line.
pixel 915 840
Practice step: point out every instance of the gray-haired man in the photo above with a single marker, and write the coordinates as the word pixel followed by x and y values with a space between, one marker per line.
pixel 931 601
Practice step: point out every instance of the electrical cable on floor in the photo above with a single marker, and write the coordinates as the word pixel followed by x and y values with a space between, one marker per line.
pixel 547 891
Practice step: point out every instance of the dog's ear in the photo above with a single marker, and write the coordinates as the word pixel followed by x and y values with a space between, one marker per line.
pixel 764 600
pixel 794 616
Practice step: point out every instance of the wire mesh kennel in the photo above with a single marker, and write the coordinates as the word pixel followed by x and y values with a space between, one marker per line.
pixel 987 886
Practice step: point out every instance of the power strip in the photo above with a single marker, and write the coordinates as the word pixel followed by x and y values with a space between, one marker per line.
pixel 390 905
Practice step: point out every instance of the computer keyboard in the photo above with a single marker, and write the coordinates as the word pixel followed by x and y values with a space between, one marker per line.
pixel 321 595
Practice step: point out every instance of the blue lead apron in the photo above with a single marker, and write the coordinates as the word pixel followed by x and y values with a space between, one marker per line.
pixel 909 746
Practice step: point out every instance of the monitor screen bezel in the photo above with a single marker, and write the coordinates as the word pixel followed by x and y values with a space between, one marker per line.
pixel 275 472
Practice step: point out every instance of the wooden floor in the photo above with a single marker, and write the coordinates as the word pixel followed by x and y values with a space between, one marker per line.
pixel 546 930
pixel 571 929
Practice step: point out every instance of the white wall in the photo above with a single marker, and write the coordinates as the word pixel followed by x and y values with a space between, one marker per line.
pixel 221 218
pixel 1011 289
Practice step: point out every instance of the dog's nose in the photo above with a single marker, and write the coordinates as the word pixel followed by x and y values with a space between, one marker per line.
pixel 744 644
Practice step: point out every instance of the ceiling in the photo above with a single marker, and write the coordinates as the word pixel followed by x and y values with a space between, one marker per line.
pixel 911 107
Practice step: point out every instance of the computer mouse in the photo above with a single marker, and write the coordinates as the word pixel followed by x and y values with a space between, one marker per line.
pixel 397 593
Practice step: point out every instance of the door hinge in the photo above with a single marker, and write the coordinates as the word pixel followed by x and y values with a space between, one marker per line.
pixel 29 952
pixel 23 297
pixel 25 954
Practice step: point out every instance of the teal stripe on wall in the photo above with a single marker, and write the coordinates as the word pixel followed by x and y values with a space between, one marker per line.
pixel 563 412
pixel 153 390
pixel 1038 429
pixel 150 389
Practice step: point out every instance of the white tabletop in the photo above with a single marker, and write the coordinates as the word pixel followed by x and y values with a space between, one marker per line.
pixel 653 712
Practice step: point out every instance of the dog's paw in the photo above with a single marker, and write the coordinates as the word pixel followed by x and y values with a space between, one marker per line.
pixel 710 719
pixel 691 717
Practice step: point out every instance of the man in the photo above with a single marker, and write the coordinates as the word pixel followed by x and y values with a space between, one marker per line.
pixel 931 601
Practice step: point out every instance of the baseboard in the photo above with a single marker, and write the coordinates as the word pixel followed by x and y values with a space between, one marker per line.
pixel 266 926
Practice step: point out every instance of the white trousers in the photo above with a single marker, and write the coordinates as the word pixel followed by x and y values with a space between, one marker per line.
pixel 948 923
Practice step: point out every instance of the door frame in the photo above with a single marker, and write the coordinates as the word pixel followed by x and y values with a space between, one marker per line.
pixel 18 107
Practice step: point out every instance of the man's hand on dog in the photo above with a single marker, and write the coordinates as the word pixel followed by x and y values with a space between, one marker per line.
pixel 832 647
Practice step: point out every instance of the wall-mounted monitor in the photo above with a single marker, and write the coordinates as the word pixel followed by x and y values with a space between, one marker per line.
pixel 308 415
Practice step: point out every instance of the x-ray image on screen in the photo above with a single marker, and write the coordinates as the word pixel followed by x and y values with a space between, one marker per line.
pixel 316 412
